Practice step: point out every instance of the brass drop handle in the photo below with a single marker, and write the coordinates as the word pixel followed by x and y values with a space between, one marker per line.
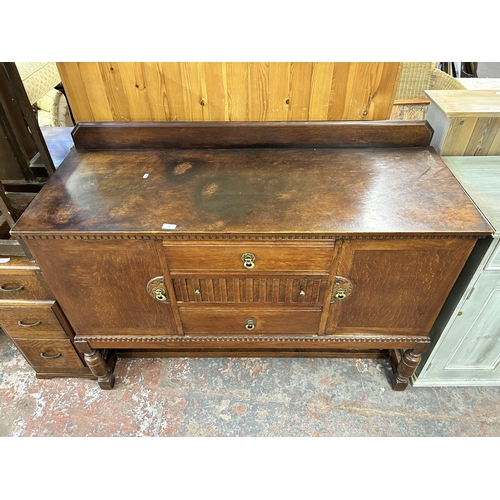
pixel 160 294
pixel 26 325
pixel 157 289
pixel 44 356
pixel 248 260
pixel 250 323
pixel 11 288
pixel 342 289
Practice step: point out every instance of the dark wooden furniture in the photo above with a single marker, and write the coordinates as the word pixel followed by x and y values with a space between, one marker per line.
pixel 25 161
pixel 252 239
pixel 35 323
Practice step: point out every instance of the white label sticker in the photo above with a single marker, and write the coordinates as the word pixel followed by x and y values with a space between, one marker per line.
pixel 4 260
pixel 169 226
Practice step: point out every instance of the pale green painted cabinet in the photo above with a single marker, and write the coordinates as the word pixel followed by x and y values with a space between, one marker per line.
pixel 466 335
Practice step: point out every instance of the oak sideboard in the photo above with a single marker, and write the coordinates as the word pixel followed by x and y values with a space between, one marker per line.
pixel 251 239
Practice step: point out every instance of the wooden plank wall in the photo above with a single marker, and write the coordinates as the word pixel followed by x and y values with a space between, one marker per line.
pixel 138 91
pixel 472 136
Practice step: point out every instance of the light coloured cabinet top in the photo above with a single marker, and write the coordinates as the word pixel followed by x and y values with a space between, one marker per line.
pixel 480 176
pixel 466 103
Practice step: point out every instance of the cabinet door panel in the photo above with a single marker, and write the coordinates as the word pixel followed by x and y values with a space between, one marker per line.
pixel 101 284
pixel 399 286
pixel 470 348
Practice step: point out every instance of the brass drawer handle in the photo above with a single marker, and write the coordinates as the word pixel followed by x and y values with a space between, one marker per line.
pixel 160 294
pixel 44 356
pixel 26 325
pixel 248 260
pixel 11 288
pixel 250 323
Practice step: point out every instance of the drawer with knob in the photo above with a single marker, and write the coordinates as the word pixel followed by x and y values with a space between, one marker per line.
pixel 251 257
pixel 31 320
pixel 49 355
pixel 22 285
pixel 254 320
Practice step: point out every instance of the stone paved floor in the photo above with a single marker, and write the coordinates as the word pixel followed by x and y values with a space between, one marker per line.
pixel 238 397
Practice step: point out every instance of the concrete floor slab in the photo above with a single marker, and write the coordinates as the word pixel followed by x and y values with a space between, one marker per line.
pixel 295 397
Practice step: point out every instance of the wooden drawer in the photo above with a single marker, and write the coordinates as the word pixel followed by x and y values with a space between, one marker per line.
pixel 49 355
pixel 22 285
pixel 31 321
pixel 228 258
pixel 276 290
pixel 233 321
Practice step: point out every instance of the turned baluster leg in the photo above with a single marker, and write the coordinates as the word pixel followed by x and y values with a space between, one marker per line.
pixel 100 369
pixel 405 368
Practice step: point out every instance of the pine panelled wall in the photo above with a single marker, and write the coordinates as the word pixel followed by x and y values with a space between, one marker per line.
pixel 221 91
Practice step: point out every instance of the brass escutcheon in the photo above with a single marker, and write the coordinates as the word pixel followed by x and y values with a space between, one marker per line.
pixel 250 323
pixel 157 289
pixel 248 260
pixel 342 288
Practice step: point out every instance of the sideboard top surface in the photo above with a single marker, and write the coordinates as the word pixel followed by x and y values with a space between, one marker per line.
pixel 253 190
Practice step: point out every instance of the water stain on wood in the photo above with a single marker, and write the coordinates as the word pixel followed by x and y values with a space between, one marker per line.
pixel 182 168
pixel 209 189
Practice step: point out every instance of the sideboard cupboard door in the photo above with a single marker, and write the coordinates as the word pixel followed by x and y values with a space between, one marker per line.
pixel 397 284
pixel 101 284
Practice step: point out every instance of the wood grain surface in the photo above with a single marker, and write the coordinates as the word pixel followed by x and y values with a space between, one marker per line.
pixel 466 103
pixel 472 136
pixel 229 91
pixel 254 190
pixel 186 135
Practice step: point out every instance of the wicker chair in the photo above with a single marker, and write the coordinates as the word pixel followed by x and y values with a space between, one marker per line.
pixel 39 79
pixel 410 102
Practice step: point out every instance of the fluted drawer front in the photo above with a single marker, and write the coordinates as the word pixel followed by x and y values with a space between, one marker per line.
pixel 247 320
pixel 309 291
pixel 49 355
